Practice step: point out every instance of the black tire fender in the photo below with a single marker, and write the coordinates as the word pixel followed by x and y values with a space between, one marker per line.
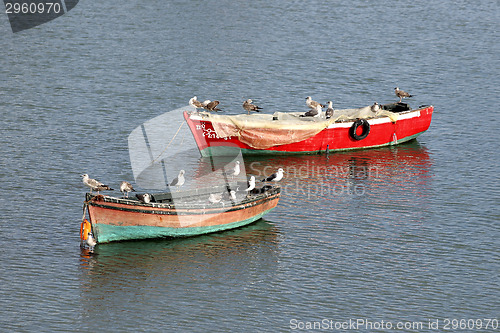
pixel 366 129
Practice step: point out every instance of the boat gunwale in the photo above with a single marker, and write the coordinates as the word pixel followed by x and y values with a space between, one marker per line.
pixel 170 209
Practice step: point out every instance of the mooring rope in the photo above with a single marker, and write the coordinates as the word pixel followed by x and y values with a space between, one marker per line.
pixel 154 160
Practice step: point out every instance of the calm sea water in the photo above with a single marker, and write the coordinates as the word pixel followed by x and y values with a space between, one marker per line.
pixel 407 234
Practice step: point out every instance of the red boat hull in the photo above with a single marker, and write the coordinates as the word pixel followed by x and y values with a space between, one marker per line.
pixel 336 137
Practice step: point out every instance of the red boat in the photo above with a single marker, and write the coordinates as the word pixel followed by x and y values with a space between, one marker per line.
pixel 289 133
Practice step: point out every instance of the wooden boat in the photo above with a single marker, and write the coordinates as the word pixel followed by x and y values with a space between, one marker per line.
pixel 219 136
pixel 188 213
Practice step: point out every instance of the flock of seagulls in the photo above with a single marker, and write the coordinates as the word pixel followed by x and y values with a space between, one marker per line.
pixel 316 108
pixel 126 187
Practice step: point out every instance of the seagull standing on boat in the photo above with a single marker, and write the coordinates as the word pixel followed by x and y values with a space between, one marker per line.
pixel 232 193
pixel 375 107
pixel 126 187
pixel 146 197
pixel 329 111
pixel 94 184
pixel 312 104
pixel 251 184
pixel 401 94
pixel 248 106
pixel 316 112
pixel 195 103
pixel 211 106
pixel 275 177
pixel 215 197
pixel 179 180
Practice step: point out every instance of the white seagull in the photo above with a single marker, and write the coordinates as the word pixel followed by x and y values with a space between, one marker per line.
pixel 236 169
pixel 195 103
pixel 91 241
pixel 146 197
pixel 329 111
pixel 215 197
pixel 401 94
pixel 94 185
pixel 375 107
pixel 316 112
pixel 275 177
pixel 251 184
pixel 312 104
pixel 126 187
pixel 179 180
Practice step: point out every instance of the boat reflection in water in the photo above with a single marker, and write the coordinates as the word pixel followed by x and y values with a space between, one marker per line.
pixel 365 178
pixel 126 274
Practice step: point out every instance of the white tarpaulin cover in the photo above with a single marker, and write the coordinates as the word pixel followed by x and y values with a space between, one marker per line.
pixel 260 131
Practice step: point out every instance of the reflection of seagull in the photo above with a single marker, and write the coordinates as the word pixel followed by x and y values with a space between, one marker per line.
pixel 375 107
pixel 94 184
pixel 236 169
pixel 329 111
pixel 195 103
pixel 146 197
pixel 215 197
pixel 251 183
pixel 248 106
pixel 211 106
pixel 91 241
pixel 313 112
pixel 126 187
pixel 275 177
pixel 179 180
pixel 401 94
pixel 312 104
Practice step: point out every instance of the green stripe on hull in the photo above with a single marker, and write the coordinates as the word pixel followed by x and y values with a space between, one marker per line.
pixel 109 233
pixel 229 151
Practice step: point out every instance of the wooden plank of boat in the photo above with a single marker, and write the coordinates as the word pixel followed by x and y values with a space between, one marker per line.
pixel 336 137
pixel 115 219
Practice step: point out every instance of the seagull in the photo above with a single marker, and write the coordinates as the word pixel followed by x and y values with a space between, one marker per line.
pixel 195 103
pixel 179 180
pixel 91 241
pixel 94 184
pixel 401 94
pixel 230 195
pixel 233 195
pixel 275 177
pixel 316 112
pixel 329 111
pixel 248 106
pixel 211 106
pixel 375 107
pixel 126 187
pixel 251 184
pixel 146 197
pixel 312 104
pixel 215 197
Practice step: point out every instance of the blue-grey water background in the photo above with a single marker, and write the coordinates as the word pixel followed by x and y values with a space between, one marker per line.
pixel 415 239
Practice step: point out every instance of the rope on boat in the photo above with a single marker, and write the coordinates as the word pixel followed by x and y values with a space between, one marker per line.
pixel 154 160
